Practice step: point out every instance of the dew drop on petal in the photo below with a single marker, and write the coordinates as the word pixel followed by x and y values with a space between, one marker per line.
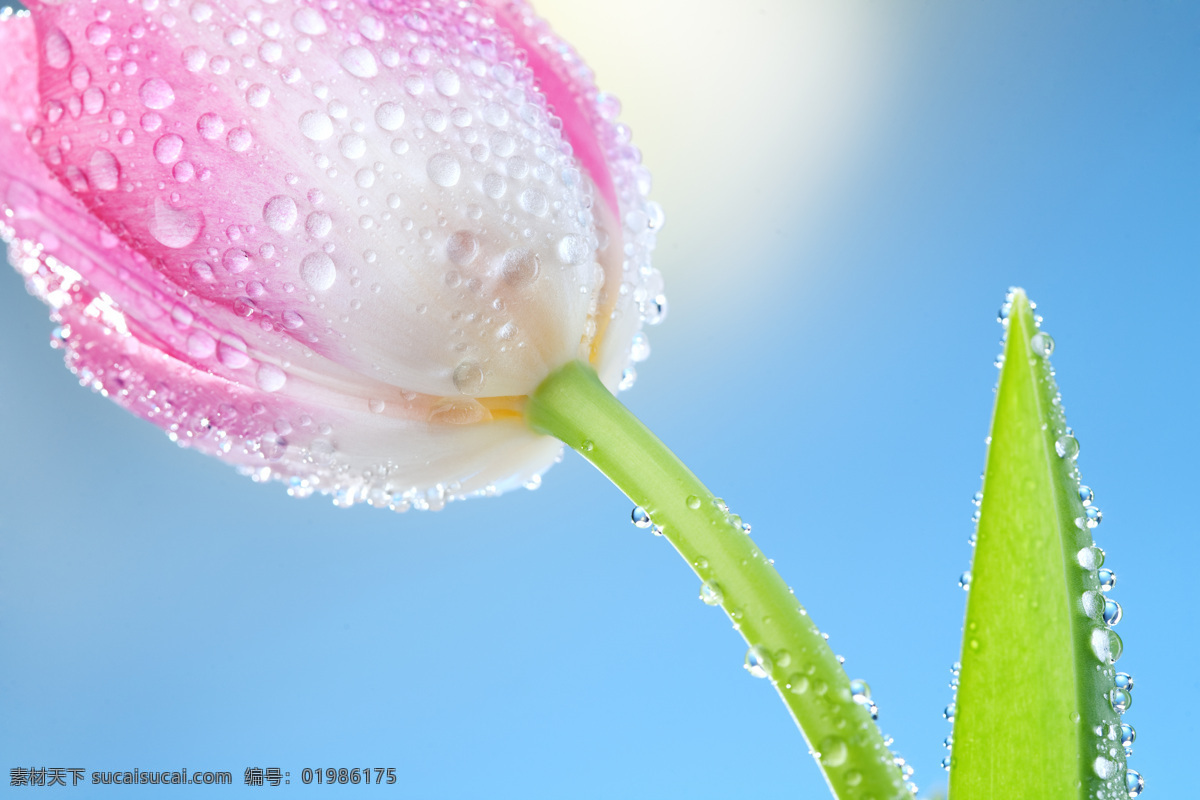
pixel 93 100
pixel 258 95
pixel 359 62
pixel 352 146
pixel 309 21
pixel 56 49
pixel 444 170
pixel 200 344
pixel 573 250
pixel 98 34
pixel 318 224
pixel 468 378
pixel 168 148
pixel 520 267
pixel 446 82
pixel 462 248
pixel 239 140
pixel 194 58
pixel 104 171
pixel 232 352
pixel 235 260
pixel 316 125
pixel 175 227
pixel 156 93
pixel 494 186
pixel 389 116
pixel 270 378
pixel 210 125
pixel 534 202
pixel 318 271
pixel 280 213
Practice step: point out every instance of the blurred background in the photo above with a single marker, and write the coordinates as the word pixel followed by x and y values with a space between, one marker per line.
pixel 850 188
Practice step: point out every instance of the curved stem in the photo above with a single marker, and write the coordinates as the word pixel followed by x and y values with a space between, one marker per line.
pixel 573 405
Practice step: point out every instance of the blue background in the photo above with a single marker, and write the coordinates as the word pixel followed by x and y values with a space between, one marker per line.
pixel 831 379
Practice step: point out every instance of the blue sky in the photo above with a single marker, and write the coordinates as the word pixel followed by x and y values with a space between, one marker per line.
pixel 826 367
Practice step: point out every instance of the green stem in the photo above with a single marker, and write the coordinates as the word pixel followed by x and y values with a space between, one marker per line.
pixel 573 405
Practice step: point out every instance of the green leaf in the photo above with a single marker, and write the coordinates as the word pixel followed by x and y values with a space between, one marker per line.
pixel 1034 717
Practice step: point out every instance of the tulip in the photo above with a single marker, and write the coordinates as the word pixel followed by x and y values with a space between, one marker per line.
pixel 338 244
pixel 392 251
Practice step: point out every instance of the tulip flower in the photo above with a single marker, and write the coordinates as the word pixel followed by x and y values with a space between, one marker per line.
pixel 394 251
pixel 336 244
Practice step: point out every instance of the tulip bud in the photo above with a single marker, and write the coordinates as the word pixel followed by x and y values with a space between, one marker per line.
pixel 336 243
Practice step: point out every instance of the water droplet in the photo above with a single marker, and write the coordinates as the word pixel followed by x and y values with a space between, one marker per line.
pixel 200 344
pixel 711 593
pixel 520 267
pixel 258 96
pixel 462 247
pixel 309 21
pixel 98 34
pixel 444 170
pixel 175 227
pixel 352 146
pixel 948 712
pixel 693 502
pixel 860 691
pixel 1085 495
pixel 239 140
pixel 1123 680
pixel 494 186
pixel 1092 605
pixel 640 517
pixel 389 116
pixel 833 751
pixel 57 49
pixel 168 148
pixel 292 320
pixel 1067 446
pixel 318 271
pixel 1121 700
pixel 280 213
pixel 446 82
pixel 1112 611
pixel 757 662
pixel 359 62
pixel 104 171
pixel 1042 344
pixel 1134 783
pixel 964 581
pixel 655 311
pixel 235 260
pixel 534 202
pixel 1128 737
pixel 1087 557
pixel 318 224
pixel 1104 768
pixel 156 93
pixel 316 125
pixel 468 378
pixel 270 378
pixel 93 100
pixel 1094 516
pixel 232 352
